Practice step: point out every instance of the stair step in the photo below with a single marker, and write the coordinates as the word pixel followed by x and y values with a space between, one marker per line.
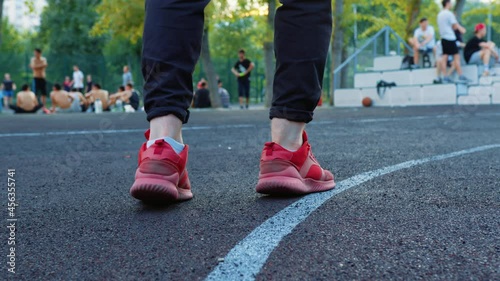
pixel 399 96
pixel 387 63
pixel 409 77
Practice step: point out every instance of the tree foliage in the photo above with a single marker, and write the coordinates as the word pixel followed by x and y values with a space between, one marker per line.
pixel 400 15
pixel 112 29
pixel 120 18
pixel 65 38
pixel 1 19
pixel 13 38
pixel 479 13
pixel 66 25
pixel 12 52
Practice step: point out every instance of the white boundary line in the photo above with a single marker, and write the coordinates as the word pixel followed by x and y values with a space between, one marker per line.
pixel 248 257
pixel 90 132
pixel 237 126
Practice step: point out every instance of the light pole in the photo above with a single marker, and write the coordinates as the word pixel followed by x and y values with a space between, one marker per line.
pixel 490 21
pixel 355 10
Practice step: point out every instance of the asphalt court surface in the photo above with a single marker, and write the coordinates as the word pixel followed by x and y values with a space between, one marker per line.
pixel 434 220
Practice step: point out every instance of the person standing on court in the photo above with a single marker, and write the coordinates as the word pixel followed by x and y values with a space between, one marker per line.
pixel 8 88
pixel 242 70
pixel 78 77
pixel 171 47
pixel 90 83
pixel 39 65
pixel 127 76
pixel 448 23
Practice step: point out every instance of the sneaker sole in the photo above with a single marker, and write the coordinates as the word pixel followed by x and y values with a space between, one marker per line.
pixel 283 185
pixel 151 188
pixel 160 192
pixel 154 191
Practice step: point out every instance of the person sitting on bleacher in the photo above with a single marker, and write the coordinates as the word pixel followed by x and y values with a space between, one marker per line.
pixel 423 40
pixel 479 51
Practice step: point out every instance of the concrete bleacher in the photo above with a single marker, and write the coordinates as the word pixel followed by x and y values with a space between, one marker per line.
pixel 399 96
pixel 414 87
pixel 495 97
pixel 387 63
pixel 409 77
pixel 394 62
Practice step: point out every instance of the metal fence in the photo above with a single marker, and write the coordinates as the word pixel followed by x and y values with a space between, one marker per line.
pixel 383 43
pixel 107 71
pixel 258 78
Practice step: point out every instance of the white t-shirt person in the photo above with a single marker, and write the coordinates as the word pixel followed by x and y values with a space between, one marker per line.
pixel 446 20
pixel 423 35
pixel 78 79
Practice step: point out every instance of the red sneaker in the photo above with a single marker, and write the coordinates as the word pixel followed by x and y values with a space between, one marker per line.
pixel 161 176
pixel 292 173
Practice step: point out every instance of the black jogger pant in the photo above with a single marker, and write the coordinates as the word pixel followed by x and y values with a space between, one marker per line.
pixel 19 110
pixel 172 42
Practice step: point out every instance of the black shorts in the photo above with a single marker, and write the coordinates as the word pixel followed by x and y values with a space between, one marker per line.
pixel 244 88
pixel 449 47
pixel 40 86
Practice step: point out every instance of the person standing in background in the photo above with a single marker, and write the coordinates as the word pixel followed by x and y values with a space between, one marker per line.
pixel 39 65
pixel 78 76
pixel 448 23
pixel 89 84
pixel 8 88
pixel 242 70
pixel 127 76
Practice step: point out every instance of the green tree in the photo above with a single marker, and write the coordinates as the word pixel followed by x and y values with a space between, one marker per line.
pixel 400 15
pixel 65 33
pixel 475 13
pixel 459 8
pixel 338 39
pixel 269 51
pixel 235 27
pixel 118 52
pixel 412 13
pixel 120 18
pixel 206 57
pixel 12 53
pixel 1 21
pixel 125 18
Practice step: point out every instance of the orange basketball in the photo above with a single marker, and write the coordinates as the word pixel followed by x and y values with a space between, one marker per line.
pixel 367 102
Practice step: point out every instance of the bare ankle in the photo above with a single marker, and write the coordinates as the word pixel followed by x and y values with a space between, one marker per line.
pixel 166 126
pixel 286 133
